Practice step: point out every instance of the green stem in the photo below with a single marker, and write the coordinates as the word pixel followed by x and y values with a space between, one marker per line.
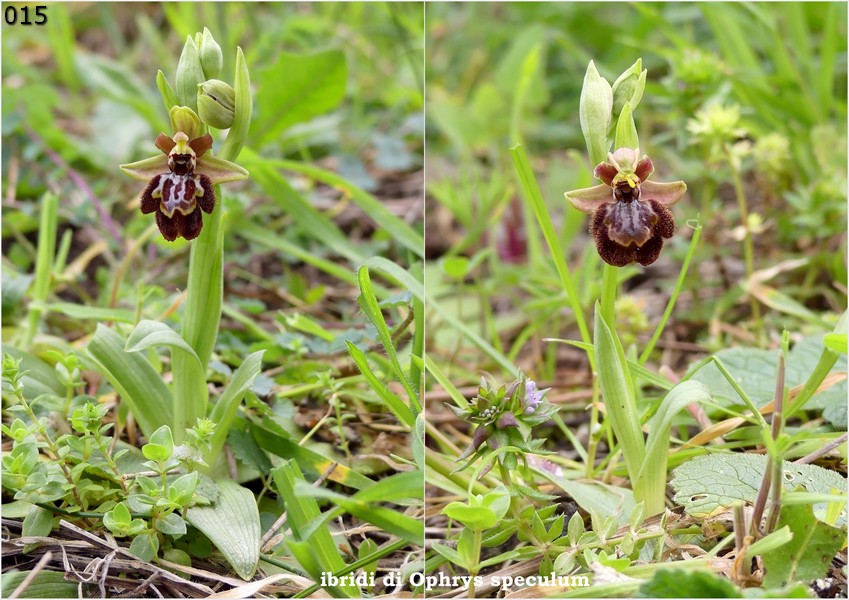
pixel 748 243
pixel 682 275
pixel 594 431
pixel 43 264
pixel 202 313
pixel 609 289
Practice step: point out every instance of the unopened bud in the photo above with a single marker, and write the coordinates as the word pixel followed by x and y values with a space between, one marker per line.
pixel 211 58
pixel 216 103
pixel 189 74
pixel 186 120
pixel 595 110
pixel 629 87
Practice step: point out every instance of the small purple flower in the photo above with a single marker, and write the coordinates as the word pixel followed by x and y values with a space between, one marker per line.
pixel 533 397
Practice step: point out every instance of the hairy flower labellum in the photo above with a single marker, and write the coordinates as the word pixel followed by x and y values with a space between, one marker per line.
pixel 631 229
pixel 630 218
pixel 175 196
pixel 181 183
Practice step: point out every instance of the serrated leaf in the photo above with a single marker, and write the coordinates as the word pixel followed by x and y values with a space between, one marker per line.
pixel 232 524
pixel 708 485
pixel 755 371
pixel 809 554
pixel 247 451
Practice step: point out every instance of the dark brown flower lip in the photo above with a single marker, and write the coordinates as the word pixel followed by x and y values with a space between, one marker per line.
pixel 176 196
pixel 630 214
pixel 627 232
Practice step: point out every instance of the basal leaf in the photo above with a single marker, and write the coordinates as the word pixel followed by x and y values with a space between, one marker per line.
pixel 225 408
pixel 232 524
pixel 133 377
pixel 808 554
pixel 707 485
pixel 680 583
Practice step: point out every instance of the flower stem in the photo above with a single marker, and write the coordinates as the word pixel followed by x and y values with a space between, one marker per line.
pixel 748 243
pixel 608 293
pixel 205 291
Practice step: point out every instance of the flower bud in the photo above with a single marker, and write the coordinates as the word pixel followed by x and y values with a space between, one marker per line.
pixel 596 112
pixel 186 120
pixel 629 87
pixel 216 103
pixel 189 74
pixel 211 57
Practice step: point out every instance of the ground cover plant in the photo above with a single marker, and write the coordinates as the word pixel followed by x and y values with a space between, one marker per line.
pixel 662 411
pixel 211 371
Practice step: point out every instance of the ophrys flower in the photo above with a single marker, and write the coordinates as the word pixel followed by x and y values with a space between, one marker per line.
pixel 630 215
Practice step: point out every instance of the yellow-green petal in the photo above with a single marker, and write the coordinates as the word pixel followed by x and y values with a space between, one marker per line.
pixel 147 169
pixel 219 170
pixel 665 194
pixel 588 199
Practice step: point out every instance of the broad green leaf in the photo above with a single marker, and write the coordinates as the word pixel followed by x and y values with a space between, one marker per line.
pixel 150 334
pixel 755 371
pixel 474 517
pixel 92 313
pixel 809 554
pixel 297 88
pixel 617 389
pixel 660 425
pixel 449 553
pixel 232 524
pixel 225 408
pixel 606 500
pixel 680 583
pixel 133 377
pixel 708 485
pixel 38 522
pixel 45 584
